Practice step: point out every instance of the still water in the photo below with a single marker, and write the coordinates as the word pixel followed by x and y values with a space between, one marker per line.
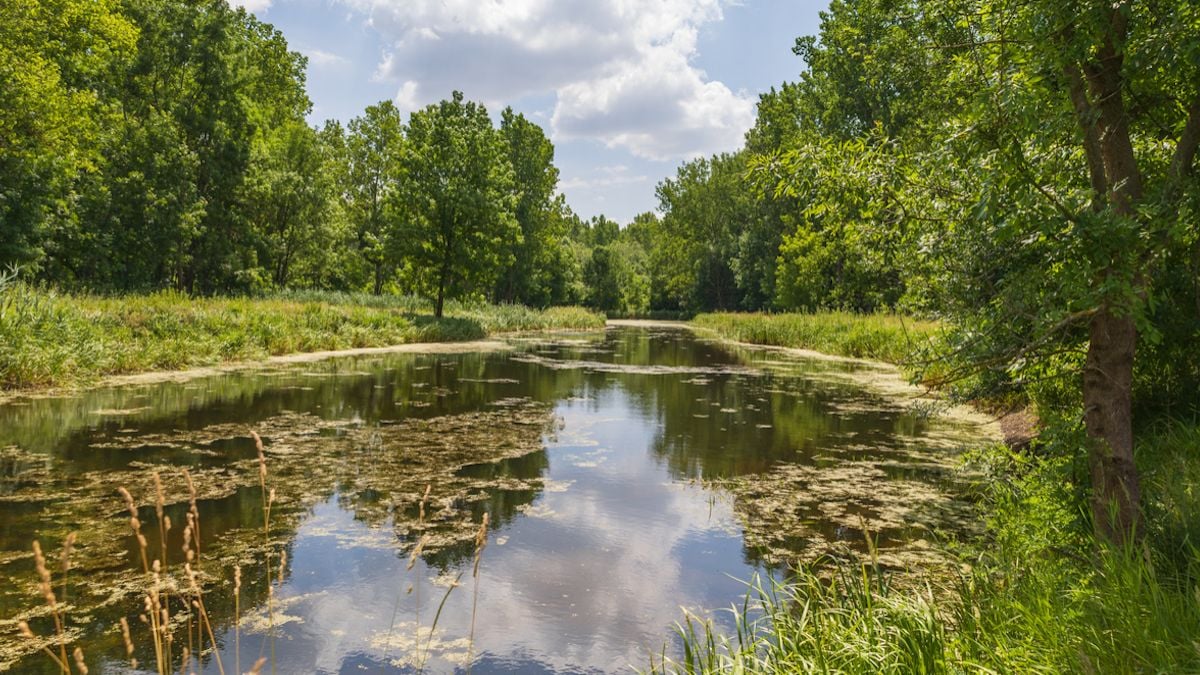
pixel 626 474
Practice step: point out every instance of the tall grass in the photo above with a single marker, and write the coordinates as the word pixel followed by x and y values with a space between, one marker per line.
pixel 1037 595
pixel 52 339
pixel 881 337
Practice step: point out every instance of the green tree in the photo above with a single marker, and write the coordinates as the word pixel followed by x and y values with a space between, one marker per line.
pixel 289 198
pixel 705 208
pixel 1064 180
pixel 54 58
pixel 529 276
pixel 374 146
pixel 457 201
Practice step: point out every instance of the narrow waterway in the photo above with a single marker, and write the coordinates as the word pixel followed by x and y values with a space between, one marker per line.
pixel 626 474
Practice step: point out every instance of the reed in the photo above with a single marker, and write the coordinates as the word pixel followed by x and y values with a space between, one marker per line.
pixel 183 587
pixel 480 544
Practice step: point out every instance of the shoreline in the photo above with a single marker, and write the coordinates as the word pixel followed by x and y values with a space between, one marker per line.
pixel 489 344
pixel 1003 428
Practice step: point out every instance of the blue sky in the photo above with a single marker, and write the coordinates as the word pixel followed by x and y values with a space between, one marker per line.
pixel 627 89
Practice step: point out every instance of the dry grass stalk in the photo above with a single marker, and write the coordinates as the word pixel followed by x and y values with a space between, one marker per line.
pixel 237 618
pixel 268 501
pixel 194 586
pixel 480 544
pixel 68 548
pixel 27 633
pixel 128 644
pixel 79 663
pixel 39 562
pixel 151 615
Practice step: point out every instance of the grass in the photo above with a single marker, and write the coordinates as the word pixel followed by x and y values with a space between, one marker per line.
pixel 881 337
pixel 49 339
pixel 1037 595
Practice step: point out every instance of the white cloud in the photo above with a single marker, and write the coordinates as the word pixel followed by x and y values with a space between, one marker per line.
pixel 620 70
pixel 406 98
pixel 605 176
pixel 320 58
pixel 252 5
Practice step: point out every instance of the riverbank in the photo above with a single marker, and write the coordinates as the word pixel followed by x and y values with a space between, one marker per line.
pixel 890 338
pixel 1036 592
pixel 50 340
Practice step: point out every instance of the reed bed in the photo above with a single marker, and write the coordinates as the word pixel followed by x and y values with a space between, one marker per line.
pixel 179 590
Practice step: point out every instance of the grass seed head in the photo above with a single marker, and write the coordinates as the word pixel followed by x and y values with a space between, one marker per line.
pixel 79 664
pixel 68 547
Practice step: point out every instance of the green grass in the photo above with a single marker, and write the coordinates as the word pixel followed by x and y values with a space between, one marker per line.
pixel 880 337
pixel 1037 595
pixel 51 339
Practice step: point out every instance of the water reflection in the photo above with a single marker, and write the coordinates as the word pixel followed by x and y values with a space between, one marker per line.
pixel 625 473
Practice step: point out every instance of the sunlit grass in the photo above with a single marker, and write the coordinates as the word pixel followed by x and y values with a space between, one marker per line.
pixel 1037 594
pixel 53 339
pixel 882 337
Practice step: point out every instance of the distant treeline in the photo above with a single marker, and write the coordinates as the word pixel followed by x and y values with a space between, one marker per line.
pixel 151 144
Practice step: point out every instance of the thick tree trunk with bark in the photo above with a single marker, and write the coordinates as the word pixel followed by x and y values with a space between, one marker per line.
pixel 1108 418
pixel 1112 340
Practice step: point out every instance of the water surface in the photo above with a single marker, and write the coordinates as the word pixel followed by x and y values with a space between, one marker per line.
pixel 626 474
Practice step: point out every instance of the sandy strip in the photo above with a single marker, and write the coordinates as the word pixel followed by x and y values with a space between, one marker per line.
pixel 161 376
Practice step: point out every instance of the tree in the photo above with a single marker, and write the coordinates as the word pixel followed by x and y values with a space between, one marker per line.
pixel 54 56
pixel 1067 173
pixel 289 198
pixel 374 146
pixel 533 256
pixel 457 200
pixel 705 208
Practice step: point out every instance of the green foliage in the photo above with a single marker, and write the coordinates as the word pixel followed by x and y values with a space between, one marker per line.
pixel 533 274
pixel 53 55
pixel 1037 595
pixel 705 207
pixel 457 200
pixel 373 148
pixel 616 272
pixel 148 145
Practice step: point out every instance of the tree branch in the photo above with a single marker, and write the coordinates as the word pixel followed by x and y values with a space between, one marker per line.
pixel 1088 123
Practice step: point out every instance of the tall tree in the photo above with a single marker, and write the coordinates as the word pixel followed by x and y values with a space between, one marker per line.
pixel 458 200
pixel 289 197
pixel 533 256
pixel 705 206
pixel 1070 166
pixel 55 56
pixel 374 146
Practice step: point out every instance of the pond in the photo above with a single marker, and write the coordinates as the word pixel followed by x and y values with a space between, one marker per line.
pixel 625 474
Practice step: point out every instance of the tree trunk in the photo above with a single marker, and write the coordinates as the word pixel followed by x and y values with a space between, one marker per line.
pixel 1108 418
pixel 443 277
pixel 1108 370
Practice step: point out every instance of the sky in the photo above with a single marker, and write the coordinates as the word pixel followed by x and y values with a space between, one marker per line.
pixel 626 89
